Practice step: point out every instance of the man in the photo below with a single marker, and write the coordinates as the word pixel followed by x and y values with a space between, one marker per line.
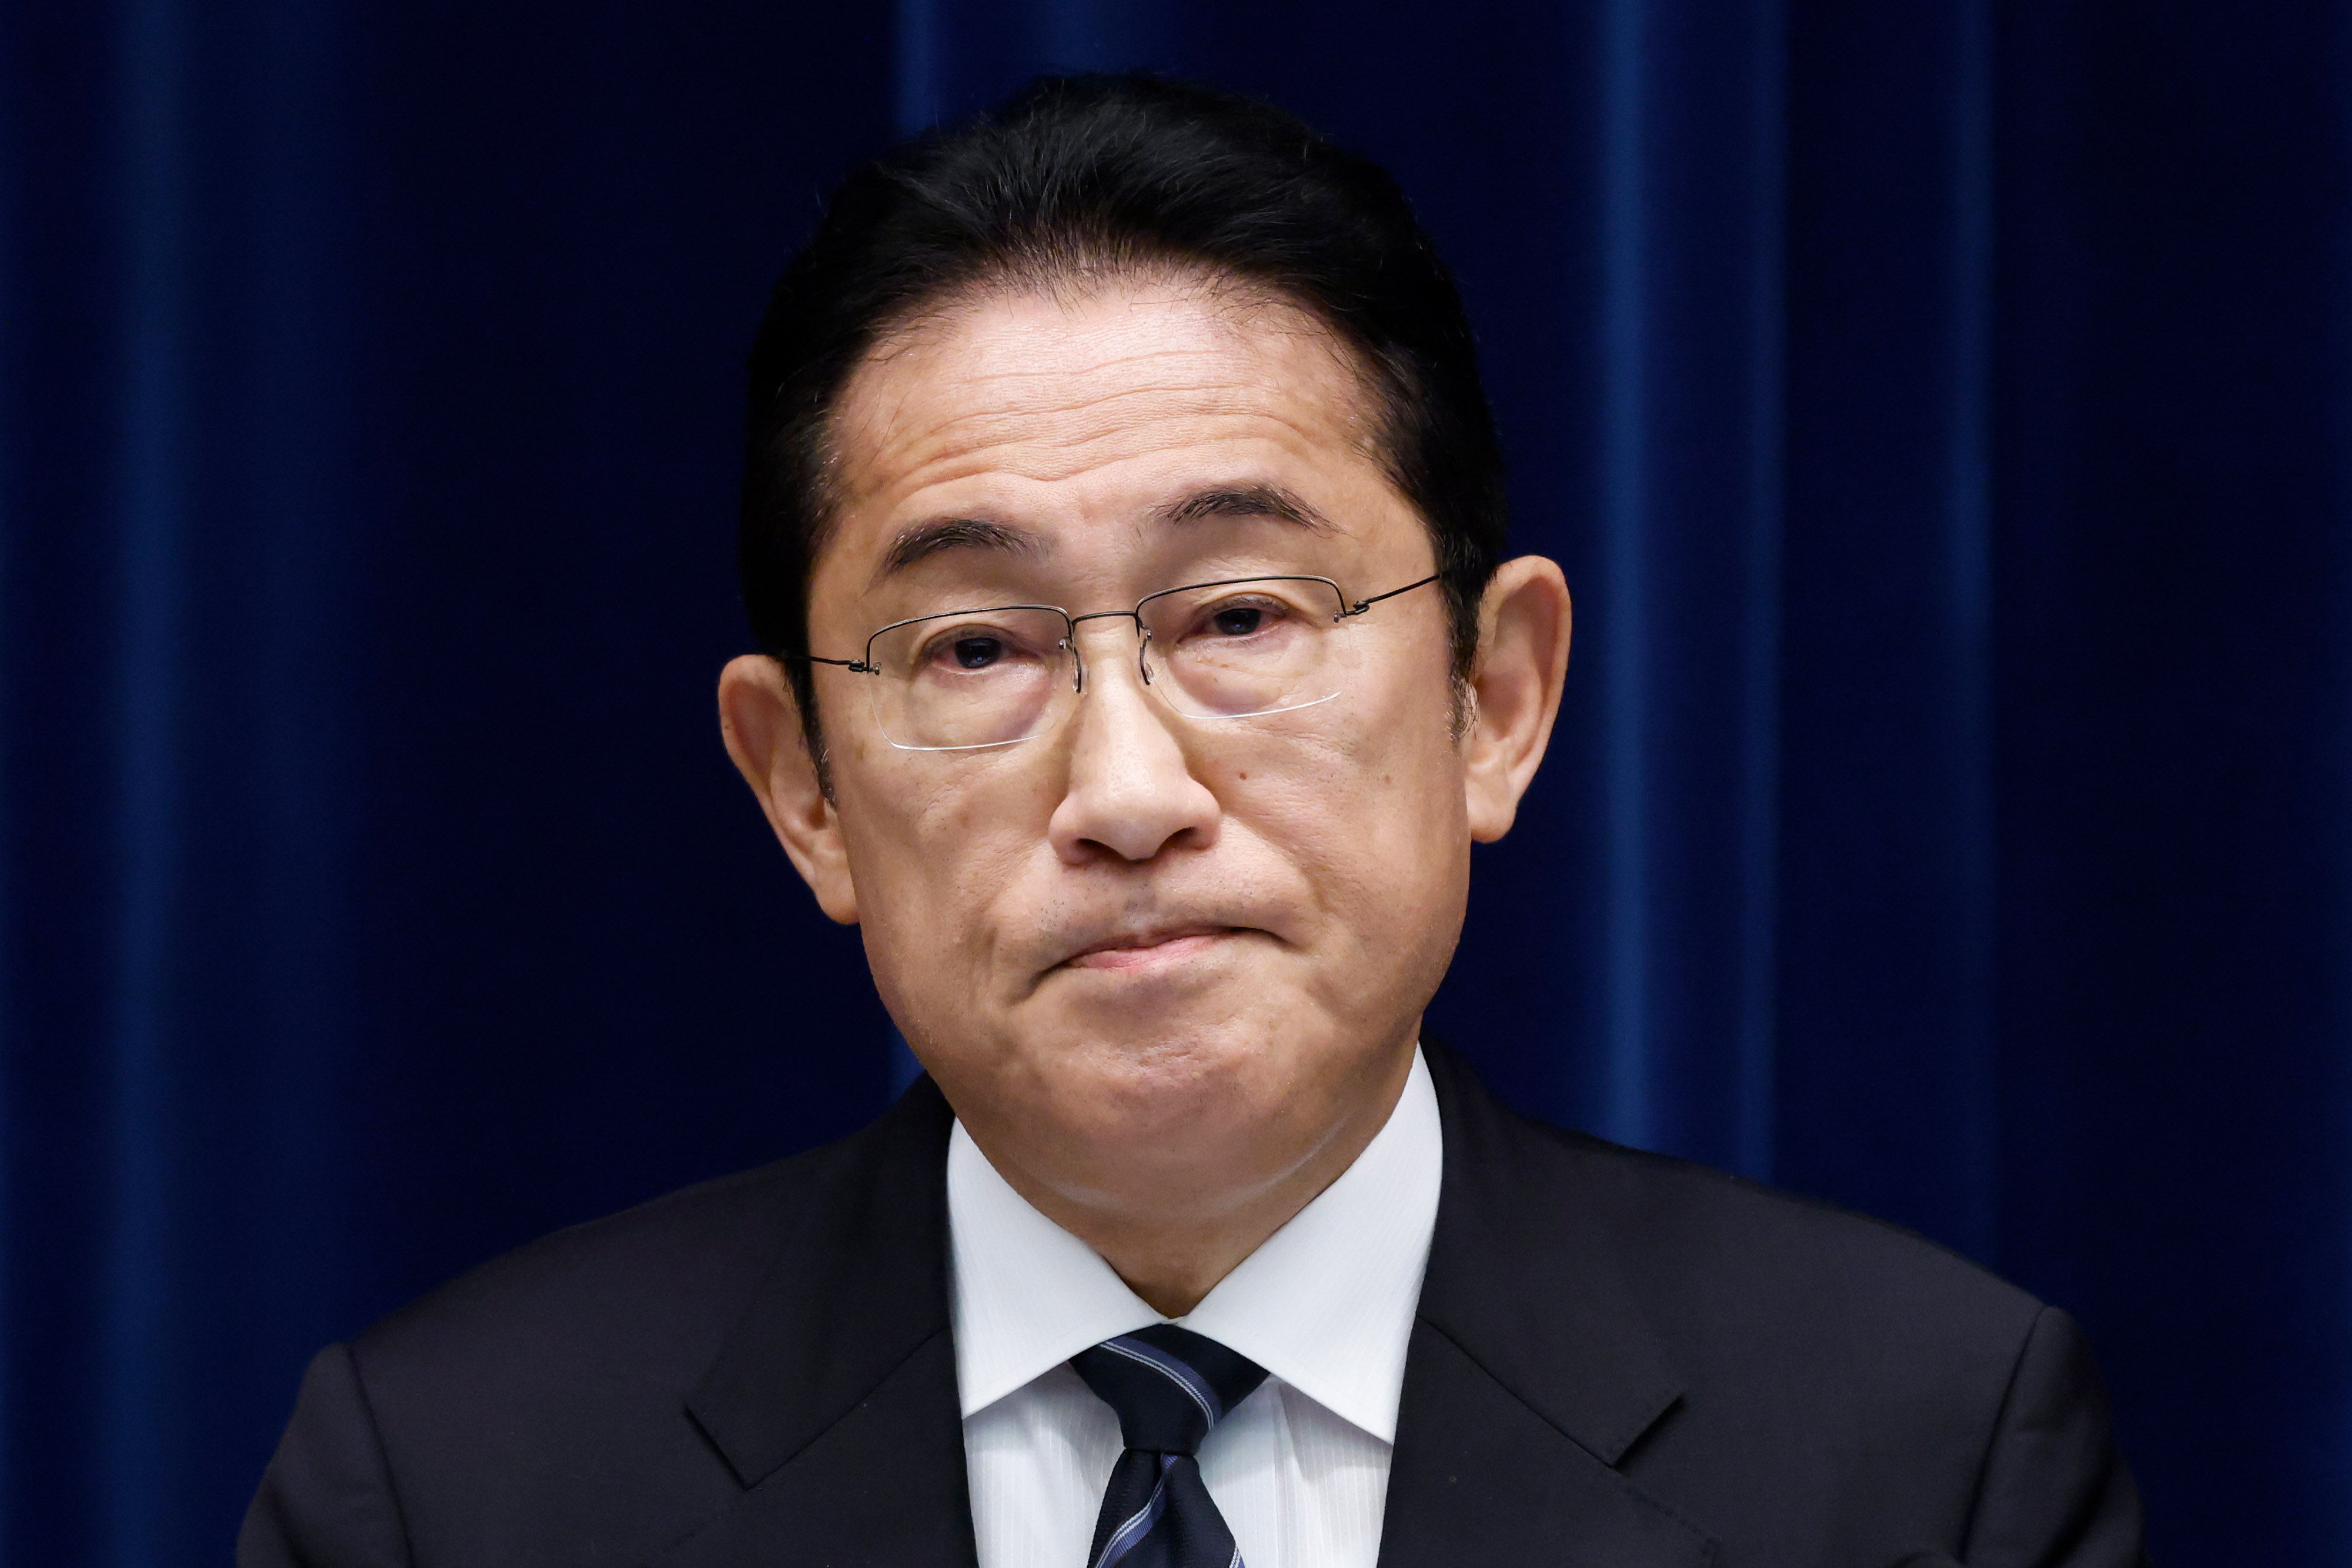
pixel 1122 525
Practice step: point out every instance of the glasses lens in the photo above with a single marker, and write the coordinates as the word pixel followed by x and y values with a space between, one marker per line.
pixel 974 678
pixel 1233 650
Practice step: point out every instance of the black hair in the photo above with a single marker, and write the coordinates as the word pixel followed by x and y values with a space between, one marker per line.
pixel 1082 174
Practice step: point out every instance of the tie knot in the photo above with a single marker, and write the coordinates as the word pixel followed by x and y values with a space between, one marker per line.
pixel 1169 1385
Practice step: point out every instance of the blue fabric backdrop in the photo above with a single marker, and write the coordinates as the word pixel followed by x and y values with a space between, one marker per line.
pixel 1940 408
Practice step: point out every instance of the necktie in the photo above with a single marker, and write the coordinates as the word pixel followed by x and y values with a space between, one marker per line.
pixel 1169 1386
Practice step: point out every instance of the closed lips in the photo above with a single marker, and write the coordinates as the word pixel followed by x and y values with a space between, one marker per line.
pixel 1106 951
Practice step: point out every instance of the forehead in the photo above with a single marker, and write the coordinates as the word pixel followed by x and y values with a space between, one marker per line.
pixel 1052 410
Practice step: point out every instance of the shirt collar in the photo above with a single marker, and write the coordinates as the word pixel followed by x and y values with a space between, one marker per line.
pixel 1325 1303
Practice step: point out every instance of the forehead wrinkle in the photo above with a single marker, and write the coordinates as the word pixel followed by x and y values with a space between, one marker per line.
pixel 918 431
pixel 979 441
pixel 1104 364
pixel 1017 384
pixel 1091 409
pixel 904 458
pixel 1028 389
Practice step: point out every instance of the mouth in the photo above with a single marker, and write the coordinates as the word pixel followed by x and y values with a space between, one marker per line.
pixel 1149 949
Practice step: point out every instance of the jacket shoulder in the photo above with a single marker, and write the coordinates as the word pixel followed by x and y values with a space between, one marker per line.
pixel 1770 1313
pixel 1679 1218
pixel 554 1383
pixel 1743 1277
pixel 1701 1249
pixel 678 1260
pixel 1849 1386
pixel 1800 1382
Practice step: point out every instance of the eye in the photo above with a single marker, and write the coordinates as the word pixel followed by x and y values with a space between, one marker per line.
pixel 972 650
pixel 1236 619
pixel 977 653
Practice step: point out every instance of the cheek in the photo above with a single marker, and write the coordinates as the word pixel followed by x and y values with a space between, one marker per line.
pixel 931 849
pixel 1374 821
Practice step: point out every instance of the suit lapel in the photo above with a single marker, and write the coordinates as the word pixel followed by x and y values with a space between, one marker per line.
pixel 833 1401
pixel 1531 1371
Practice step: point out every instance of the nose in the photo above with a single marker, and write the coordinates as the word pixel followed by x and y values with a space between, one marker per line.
pixel 1130 791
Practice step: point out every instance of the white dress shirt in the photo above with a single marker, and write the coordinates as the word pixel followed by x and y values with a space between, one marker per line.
pixel 1301 1467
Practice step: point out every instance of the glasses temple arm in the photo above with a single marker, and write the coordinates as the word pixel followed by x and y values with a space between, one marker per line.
pixel 855 666
pixel 1363 604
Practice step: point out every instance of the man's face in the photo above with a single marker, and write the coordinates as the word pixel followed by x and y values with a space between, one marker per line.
pixel 1140 946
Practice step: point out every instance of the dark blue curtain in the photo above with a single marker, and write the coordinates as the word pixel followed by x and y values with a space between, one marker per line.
pixel 1941 410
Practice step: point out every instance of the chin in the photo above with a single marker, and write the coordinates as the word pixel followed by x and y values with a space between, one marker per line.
pixel 1178 1063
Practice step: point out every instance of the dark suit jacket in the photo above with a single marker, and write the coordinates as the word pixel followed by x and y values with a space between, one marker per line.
pixel 1619 1360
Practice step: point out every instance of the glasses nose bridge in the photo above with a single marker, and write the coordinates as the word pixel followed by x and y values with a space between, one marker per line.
pixel 1078 660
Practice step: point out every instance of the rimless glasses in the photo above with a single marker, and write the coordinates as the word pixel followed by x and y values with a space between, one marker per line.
pixel 1242 648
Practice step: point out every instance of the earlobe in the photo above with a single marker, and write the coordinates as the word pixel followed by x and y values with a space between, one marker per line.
pixel 1524 625
pixel 760 723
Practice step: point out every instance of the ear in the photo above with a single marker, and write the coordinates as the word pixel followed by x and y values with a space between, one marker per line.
pixel 762 723
pixel 1523 630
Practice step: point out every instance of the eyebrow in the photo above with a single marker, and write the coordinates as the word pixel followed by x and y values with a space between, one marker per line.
pixel 1248 501
pixel 925 539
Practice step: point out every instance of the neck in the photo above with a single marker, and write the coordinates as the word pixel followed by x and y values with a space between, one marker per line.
pixel 1173 1253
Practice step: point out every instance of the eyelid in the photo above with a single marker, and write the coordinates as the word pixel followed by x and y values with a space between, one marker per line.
pixel 940 641
pixel 1252 598
pixel 1008 635
pixel 1283 593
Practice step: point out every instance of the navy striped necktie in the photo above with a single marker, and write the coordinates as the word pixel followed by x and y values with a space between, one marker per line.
pixel 1169 1386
